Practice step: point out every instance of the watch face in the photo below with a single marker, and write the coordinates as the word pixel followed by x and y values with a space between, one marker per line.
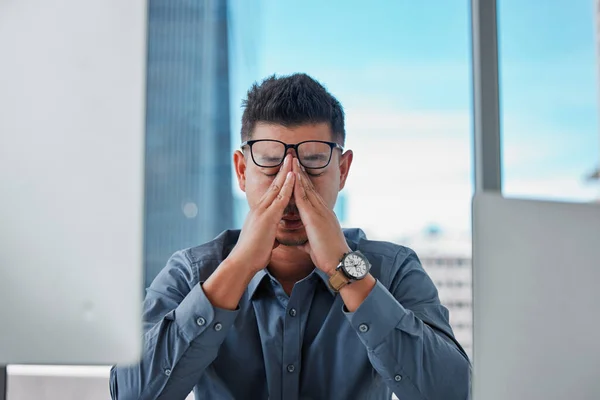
pixel 355 266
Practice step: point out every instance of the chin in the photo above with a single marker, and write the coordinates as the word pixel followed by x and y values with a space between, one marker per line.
pixel 292 238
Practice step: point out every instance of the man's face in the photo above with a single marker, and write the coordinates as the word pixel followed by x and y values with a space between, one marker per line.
pixel 255 180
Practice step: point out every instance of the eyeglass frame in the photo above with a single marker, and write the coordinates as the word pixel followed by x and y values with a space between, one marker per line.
pixel 332 145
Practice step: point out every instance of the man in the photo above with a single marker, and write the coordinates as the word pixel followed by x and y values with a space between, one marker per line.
pixel 292 307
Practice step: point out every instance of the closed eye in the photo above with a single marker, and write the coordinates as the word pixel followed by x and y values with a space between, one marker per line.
pixel 307 173
pixel 315 172
pixel 270 172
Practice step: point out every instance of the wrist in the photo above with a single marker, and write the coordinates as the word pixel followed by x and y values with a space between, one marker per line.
pixel 226 285
pixel 365 284
pixel 332 265
pixel 240 268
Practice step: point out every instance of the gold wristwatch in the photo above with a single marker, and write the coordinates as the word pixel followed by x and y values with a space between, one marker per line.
pixel 353 266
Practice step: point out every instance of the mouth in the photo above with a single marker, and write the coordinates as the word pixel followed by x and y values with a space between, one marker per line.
pixel 291 222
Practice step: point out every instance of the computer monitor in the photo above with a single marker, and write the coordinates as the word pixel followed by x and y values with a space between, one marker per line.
pixel 536 279
pixel 72 83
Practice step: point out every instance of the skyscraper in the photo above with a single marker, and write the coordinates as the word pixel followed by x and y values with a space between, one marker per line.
pixel 188 162
pixel 447 258
pixel 245 58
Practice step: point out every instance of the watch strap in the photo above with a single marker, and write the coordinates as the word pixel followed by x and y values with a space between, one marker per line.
pixel 338 280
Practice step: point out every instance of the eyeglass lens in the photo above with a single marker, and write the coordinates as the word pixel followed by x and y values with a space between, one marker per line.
pixel 311 154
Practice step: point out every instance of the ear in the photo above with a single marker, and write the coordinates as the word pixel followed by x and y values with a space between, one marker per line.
pixel 345 163
pixel 239 163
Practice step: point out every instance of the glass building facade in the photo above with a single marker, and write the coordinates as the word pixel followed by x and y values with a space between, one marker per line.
pixel 188 161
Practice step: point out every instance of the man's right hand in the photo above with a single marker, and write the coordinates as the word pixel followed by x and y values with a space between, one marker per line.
pixel 226 285
pixel 257 238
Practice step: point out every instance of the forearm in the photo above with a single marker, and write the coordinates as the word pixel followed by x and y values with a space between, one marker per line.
pixel 177 348
pixel 226 286
pixel 164 368
pixel 355 293
pixel 423 365
pixel 415 359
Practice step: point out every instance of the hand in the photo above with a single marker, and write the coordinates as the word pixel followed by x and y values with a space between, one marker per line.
pixel 257 238
pixel 326 242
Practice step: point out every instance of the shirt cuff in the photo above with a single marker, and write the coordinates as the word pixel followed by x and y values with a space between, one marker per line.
pixel 196 316
pixel 376 317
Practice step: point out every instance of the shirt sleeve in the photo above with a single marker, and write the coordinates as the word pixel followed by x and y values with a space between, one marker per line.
pixel 182 336
pixel 409 339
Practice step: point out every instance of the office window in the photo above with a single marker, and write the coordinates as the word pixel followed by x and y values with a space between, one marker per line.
pixel 549 99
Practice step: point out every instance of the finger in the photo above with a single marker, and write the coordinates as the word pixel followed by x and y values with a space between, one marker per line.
pixel 283 197
pixel 300 194
pixel 309 188
pixel 313 195
pixel 277 184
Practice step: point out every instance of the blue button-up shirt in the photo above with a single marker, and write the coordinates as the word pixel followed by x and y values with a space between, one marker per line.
pixel 302 346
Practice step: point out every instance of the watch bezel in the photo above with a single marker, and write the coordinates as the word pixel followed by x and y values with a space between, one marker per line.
pixel 361 256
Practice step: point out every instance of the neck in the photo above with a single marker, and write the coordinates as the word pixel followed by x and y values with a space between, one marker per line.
pixel 290 264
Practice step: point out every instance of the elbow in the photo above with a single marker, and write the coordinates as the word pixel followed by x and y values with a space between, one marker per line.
pixel 122 386
pixel 460 378
pixel 450 379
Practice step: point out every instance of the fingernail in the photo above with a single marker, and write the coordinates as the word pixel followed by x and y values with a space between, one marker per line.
pixel 285 160
pixel 297 162
pixel 289 176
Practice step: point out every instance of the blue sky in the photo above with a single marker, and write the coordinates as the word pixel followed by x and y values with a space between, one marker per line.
pixel 402 70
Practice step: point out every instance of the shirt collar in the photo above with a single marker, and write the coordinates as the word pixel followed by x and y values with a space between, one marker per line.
pixel 263 274
pixel 352 235
pixel 256 281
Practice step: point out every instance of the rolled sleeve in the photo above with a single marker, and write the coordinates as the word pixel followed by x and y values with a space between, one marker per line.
pixel 196 317
pixel 376 317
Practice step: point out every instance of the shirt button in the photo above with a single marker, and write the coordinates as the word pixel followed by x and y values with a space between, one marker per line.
pixel 291 368
pixel 293 312
pixel 167 372
pixel 363 328
pixel 201 321
pixel 397 378
pixel 218 326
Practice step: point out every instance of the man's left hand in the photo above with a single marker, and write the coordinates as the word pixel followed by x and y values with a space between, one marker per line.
pixel 326 242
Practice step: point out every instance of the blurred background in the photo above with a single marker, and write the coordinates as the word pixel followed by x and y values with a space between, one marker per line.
pixel 402 71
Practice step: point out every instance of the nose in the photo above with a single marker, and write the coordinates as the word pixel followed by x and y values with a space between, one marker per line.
pixel 291 151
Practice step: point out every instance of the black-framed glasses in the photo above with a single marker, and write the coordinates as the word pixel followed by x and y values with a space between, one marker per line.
pixel 312 154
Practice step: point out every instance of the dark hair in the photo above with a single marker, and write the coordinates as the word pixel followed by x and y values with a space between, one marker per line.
pixel 291 101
